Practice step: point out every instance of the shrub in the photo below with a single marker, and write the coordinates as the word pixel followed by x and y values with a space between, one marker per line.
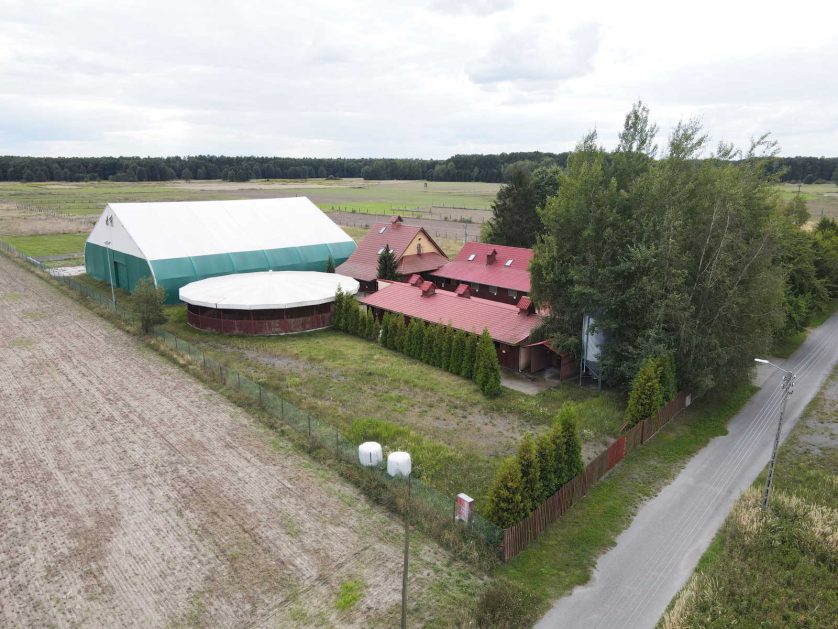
pixel 486 367
pixel 447 339
pixel 397 333
pixel 147 303
pixel 330 265
pixel 386 328
pixel 415 338
pixel 545 450
pixel 571 446
pixel 458 344
pixel 429 342
pixel 505 605
pixel 668 377
pixel 469 352
pixel 646 396
pixel 506 504
pixel 530 473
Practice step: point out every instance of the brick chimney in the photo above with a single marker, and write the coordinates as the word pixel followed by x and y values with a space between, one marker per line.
pixel 463 290
pixel 428 289
pixel 490 257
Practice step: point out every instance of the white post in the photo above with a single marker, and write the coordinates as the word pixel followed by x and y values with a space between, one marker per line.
pixel 110 273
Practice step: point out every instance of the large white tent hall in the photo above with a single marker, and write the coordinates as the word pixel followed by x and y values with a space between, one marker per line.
pixel 179 242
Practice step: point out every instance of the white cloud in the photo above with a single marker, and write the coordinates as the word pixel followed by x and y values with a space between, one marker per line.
pixel 376 78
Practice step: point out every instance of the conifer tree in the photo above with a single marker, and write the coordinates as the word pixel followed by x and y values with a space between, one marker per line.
pixel 545 450
pixel 339 310
pixel 458 345
pixel 429 343
pixel 387 264
pixel 530 473
pixel 571 446
pixel 446 339
pixel 646 396
pixel 397 332
pixel 506 506
pixel 486 367
pixel 330 265
pixel 415 337
pixel 560 466
pixel 469 356
pixel 147 303
pixel 385 330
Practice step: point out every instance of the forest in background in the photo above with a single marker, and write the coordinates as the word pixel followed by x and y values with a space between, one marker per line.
pixel 492 168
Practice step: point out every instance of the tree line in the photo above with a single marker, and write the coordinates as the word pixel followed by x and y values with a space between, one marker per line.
pixel 490 168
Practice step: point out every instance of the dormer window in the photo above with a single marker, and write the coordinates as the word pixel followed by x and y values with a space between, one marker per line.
pixel 471 257
pixel 508 262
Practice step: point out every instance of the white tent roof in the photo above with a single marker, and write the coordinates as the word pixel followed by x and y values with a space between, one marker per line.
pixel 267 290
pixel 178 229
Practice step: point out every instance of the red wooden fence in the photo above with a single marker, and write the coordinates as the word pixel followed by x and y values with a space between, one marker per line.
pixel 518 536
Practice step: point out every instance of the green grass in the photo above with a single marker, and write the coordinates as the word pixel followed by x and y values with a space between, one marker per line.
pixel 776 568
pixel 787 345
pixel 458 435
pixel 47 244
pixel 349 594
pixel 353 194
pixel 821 198
pixel 566 553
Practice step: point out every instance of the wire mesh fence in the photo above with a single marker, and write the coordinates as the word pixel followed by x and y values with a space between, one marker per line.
pixel 428 506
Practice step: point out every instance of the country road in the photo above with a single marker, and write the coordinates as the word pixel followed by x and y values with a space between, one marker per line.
pixel 634 582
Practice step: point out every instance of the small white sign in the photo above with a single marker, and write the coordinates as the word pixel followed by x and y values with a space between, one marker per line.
pixel 464 504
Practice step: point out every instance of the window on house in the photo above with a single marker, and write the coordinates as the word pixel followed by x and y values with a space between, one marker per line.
pixel 493 290
pixel 513 293
pixel 508 262
pixel 471 257
pixel 475 287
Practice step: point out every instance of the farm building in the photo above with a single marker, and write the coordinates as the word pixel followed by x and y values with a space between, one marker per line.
pixel 492 272
pixel 509 325
pixel 283 302
pixel 415 252
pixel 176 243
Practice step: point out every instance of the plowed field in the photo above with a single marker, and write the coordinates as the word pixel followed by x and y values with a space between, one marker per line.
pixel 131 495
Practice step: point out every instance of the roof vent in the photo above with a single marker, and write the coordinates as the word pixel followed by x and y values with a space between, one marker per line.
pixel 508 262
pixel 382 230
pixel 471 257
pixel 396 220
pixel 428 289
pixel 490 257
pixel 463 290
pixel 415 279
pixel 525 305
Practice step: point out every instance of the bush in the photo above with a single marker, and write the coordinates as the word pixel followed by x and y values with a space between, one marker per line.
pixel 455 359
pixel 530 473
pixel 147 303
pixel 571 446
pixel 469 352
pixel 429 343
pixel 506 505
pixel 486 367
pixel 545 450
pixel 646 396
pixel 505 605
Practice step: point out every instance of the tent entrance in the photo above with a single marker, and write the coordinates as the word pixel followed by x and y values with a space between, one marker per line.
pixel 120 275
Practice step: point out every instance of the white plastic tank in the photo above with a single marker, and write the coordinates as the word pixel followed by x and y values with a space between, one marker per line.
pixel 398 464
pixel 370 454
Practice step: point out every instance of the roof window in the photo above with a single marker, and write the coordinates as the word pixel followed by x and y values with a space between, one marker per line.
pixel 382 230
pixel 508 262
pixel 471 257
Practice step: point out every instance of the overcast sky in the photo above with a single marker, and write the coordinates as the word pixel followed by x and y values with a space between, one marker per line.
pixel 429 78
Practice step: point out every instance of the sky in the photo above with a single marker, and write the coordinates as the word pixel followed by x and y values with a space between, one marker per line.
pixel 429 78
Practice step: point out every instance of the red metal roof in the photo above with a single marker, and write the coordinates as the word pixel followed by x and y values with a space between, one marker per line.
pixel 363 263
pixel 515 276
pixel 505 322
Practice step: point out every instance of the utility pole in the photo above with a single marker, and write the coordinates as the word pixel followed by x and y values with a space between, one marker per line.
pixel 787 386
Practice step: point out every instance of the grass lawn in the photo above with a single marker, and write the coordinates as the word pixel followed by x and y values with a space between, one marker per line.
pixel 47 244
pixel 368 391
pixel 566 554
pixel 776 568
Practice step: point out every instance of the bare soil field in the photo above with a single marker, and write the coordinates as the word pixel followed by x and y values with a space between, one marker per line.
pixel 133 496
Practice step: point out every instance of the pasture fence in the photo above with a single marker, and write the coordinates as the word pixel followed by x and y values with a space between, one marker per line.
pixel 518 536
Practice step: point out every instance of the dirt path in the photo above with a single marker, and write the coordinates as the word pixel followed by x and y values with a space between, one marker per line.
pixel 131 495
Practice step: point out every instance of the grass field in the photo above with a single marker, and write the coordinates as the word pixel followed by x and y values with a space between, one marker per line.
pixel 411 198
pixel 776 568
pixel 565 555
pixel 40 245
pixel 366 391
pixel 821 198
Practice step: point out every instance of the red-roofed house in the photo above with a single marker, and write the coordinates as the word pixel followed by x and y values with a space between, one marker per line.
pixel 509 325
pixel 493 272
pixel 414 249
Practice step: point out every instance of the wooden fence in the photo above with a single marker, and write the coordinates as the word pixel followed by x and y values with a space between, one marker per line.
pixel 518 536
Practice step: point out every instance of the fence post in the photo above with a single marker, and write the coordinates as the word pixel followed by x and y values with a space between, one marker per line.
pixel 204 358
pixel 239 379
pixel 260 395
pixel 309 429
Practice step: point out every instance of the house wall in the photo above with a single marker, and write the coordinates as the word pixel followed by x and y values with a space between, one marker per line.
pixel 427 246
pixel 482 290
